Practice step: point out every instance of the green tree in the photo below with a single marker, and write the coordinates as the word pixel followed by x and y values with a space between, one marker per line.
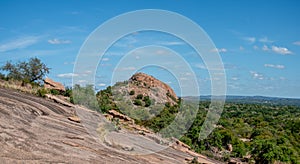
pixel 31 71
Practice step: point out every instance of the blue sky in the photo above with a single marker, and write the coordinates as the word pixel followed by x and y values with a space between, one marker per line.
pixel 258 41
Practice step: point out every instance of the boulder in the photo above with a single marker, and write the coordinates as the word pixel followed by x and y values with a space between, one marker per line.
pixel 50 84
pixel 118 115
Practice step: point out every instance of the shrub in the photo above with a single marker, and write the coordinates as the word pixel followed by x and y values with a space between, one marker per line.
pixel 42 92
pixel 54 92
pixel 147 101
pixel 137 102
pixel 132 92
pixel 168 104
pixel 139 96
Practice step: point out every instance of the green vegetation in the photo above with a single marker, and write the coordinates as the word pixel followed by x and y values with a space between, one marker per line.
pixel 257 133
pixel 147 101
pixel 137 102
pixel 267 133
pixel 31 71
pixel 105 100
pixel 132 92
pixel 85 96
pixel 42 92
pixel 139 96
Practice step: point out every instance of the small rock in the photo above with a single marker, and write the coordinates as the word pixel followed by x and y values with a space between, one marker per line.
pixel 229 147
pixel 75 119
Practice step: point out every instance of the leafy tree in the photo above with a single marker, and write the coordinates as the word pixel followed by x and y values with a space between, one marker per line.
pixel 32 71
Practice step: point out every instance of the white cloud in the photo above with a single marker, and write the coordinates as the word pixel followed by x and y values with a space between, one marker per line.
pixel 67 75
pixel 130 68
pixel 171 43
pixel 255 47
pixel 256 75
pixel 234 78
pixel 101 85
pixel 297 43
pixel 242 48
pixel 275 66
pixel 265 48
pixel 105 59
pixel 19 43
pixel 82 81
pixel 58 41
pixel 250 39
pixel 219 50
pixel 282 78
pixel 281 50
pixel 265 40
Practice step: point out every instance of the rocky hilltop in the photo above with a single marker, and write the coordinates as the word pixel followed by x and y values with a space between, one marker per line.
pixel 141 86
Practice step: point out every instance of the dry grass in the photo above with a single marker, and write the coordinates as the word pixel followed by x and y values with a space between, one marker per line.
pixel 17 85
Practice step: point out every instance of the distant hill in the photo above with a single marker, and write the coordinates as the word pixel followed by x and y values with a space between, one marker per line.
pixel 253 100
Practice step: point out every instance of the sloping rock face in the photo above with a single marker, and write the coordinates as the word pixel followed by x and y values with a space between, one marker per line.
pixel 160 92
pixel 35 130
pixel 50 84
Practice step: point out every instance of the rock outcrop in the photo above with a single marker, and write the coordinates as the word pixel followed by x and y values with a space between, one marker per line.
pixel 36 130
pixel 50 84
pixel 146 85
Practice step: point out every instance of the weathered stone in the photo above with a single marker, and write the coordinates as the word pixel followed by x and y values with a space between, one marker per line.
pixel 75 119
pixel 229 147
pixel 50 84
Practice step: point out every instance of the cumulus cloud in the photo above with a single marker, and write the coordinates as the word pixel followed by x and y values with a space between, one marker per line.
pixel 67 75
pixel 281 50
pixel 297 43
pixel 275 66
pixel 219 50
pixel 58 41
pixel 19 43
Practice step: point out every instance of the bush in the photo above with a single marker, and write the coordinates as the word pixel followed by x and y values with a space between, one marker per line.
pixel 54 92
pixel 147 101
pixel 168 104
pixel 137 102
pixel 2 76
pixel 139 96
pixel 132 92
pixel 68 92
pixel 42 92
